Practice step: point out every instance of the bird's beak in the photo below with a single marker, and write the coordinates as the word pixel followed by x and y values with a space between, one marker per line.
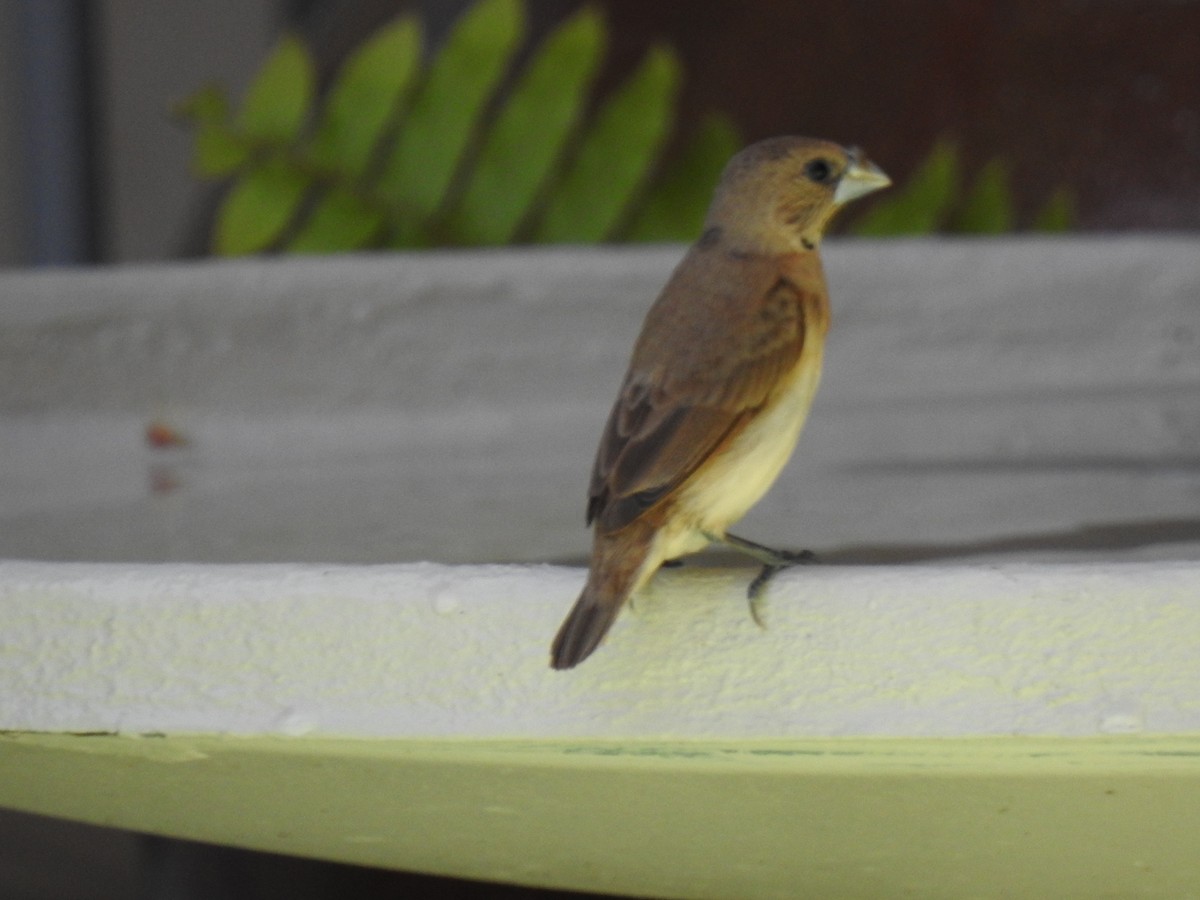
pixel 862 177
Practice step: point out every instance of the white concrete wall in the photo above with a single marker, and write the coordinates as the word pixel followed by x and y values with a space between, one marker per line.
pixel 1027 399
pixel 1006 403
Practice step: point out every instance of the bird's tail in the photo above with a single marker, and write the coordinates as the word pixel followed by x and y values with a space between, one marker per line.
pixel 619 567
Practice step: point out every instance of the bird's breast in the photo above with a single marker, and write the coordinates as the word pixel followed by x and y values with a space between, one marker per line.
pixel 737 477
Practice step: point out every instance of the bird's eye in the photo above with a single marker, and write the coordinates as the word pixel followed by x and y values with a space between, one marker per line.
pixel 820 171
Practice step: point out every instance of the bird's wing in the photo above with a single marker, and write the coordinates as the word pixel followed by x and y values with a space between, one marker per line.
pixel 741 331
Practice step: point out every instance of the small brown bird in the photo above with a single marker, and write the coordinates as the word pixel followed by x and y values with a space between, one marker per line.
pixel 721 379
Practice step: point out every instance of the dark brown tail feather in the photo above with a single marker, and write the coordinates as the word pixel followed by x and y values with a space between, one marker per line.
pixel 616 560
pixel 584 628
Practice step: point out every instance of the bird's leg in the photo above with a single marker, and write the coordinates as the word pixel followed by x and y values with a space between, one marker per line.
pixel 772 560
pixel 768 556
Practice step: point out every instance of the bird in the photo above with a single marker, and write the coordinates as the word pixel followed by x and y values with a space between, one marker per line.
pixel 720 380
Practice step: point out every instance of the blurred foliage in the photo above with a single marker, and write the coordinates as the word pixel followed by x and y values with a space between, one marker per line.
pixel 461 149
pixel 407 152
pixel 934 200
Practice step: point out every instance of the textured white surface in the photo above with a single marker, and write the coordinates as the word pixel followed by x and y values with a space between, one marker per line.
pixel 1029 407
pixel 432 651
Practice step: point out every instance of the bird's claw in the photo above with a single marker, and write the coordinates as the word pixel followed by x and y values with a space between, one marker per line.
pixel 787 559
pixel 755 588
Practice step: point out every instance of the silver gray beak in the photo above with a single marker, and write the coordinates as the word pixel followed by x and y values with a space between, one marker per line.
pixel 861 178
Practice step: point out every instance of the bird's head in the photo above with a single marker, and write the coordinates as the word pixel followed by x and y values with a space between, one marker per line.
pixel 779 194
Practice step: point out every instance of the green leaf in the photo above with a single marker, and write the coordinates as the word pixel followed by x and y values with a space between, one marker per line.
pixel 530 132
pixel 1058 214
pixel 207 106
pixel 365 95
pixel 280 96
pixel 434 134
pixel 676 206
pixel 988 208
pixel 218 151
pixel 920 207
pixel 615 154
pixel 262 203
pixel 340 221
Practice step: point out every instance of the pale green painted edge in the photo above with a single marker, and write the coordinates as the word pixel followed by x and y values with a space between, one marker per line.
pixel 1028 817
pixel 1028 754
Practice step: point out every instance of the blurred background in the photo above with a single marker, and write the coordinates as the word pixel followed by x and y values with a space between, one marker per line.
pixel 1099 98
pixel 1096 102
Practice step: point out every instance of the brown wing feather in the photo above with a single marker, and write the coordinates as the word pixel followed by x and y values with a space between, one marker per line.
pixel 741 329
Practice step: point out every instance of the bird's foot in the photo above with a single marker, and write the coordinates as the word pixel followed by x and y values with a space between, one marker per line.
pixel 768 556
pixel 773 561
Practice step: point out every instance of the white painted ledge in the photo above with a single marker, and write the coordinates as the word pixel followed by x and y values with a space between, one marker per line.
pixel 1025 729
pixel 425 651
pixel 321 627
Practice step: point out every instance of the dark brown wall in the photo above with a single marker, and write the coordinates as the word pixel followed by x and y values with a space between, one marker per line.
pixel 1103 95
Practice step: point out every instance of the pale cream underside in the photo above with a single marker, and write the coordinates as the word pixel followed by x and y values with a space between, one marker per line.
pixel 726 489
